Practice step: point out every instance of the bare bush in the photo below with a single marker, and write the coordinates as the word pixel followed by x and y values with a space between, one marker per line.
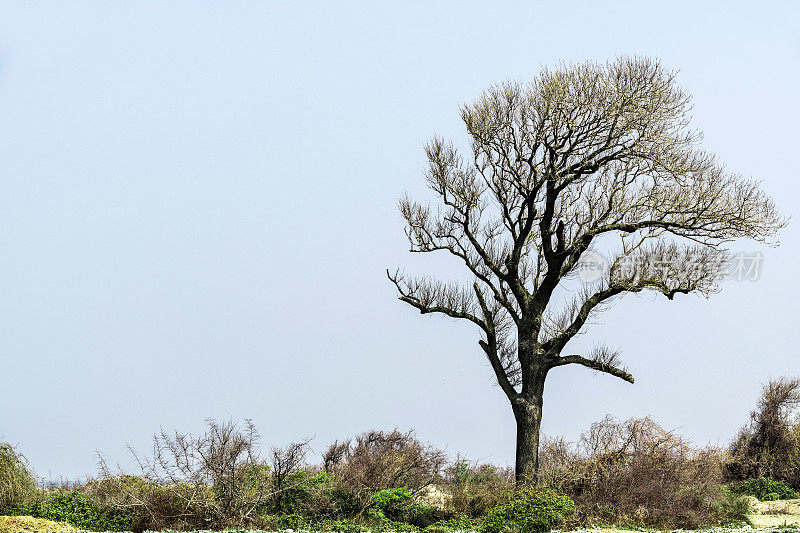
pixel 768 445
pixel 285 463
pixel 334 455
pixel 635 471
pixel 381 460
pixel 478 488
pixel 559 462
pixel 16 480
pixel 193 481
pixel 62 484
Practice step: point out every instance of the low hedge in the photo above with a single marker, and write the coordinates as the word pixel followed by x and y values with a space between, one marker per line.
pixel 764 489
pixel 531 511
pixel 75 509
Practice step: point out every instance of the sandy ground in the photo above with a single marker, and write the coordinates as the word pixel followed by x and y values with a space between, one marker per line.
pixel 778 507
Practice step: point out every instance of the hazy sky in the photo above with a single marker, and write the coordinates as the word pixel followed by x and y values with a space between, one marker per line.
pixel 199 204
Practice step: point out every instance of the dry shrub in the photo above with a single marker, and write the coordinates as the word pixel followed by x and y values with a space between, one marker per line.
pixel 296 486
pixel 62 484
pixel 191 482
pixel 379 460
pixel 637 472
pixel 16 481
pixel 768 445
pixel 478 488
pixel 560 464
pixel 155 507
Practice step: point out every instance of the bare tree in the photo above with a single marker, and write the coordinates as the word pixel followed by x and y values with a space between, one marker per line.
pixel 581 155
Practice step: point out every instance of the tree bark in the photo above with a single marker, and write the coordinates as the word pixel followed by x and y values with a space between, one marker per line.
pixel 529 418
pixel 528 414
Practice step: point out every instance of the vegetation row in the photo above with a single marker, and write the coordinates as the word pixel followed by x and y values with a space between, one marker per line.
pixel 627 473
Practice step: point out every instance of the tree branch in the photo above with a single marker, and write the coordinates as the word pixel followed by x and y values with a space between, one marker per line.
pixel 490 347
pixel 433 297
pixel 595 364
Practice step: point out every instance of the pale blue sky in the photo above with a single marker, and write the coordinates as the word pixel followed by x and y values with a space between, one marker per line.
pixel 199 204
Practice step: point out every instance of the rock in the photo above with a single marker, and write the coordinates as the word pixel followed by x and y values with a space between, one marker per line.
pixel 753 502
pixel 434 496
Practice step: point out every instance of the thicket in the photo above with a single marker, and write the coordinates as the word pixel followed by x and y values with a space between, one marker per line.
pixel 16 481
pixel 769 445
pixel 637 473
pixel 632 473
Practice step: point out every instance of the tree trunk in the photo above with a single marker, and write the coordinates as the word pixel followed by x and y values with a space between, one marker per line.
pixel 528 414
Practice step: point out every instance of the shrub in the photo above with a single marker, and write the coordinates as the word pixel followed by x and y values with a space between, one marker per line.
pixel 636 472
pixel 764 489
pixel 154 506
pixel 733 508
pixel 16 481
pixel 477 489
pixel 459 523
pixel 77 510
pixel 422 516
pixel 290 521
pixel 213 479
pixel 388 504
pixel 768 445
pixel 345 500
pixel 305 491
pixel 380 460
pixel 27 524
pixel 396 504
pixel 341 526
pixel 386 498
pixel 530 511
pixel 290 484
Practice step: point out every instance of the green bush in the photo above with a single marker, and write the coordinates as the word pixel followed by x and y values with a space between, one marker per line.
pixel 388 502
pixel 764 489
pixel 357 525
pixel 530 511
pixel 346 501
pixel 423 516
pixel 477 489
pixel 290 521
pixel 733 507
pixel 298 489
pixel 342 526
pixel 457 523
pixel 16 481
pixel 77 510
